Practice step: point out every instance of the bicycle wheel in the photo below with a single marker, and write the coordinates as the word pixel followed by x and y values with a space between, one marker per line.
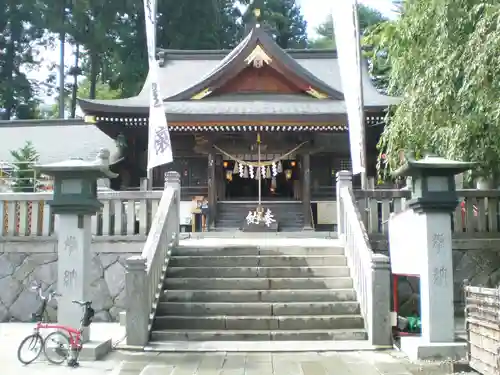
pixel 33 345
pixel 56 348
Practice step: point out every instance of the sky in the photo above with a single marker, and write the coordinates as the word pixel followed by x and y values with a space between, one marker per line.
pixel 315 13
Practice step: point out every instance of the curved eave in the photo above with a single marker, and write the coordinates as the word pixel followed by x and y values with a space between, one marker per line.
pixel 237 59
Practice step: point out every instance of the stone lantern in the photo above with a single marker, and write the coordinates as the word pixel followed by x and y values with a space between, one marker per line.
pixel 75 201
pixel 420 244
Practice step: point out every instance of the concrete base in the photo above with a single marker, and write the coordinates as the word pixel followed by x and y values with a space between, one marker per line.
pixel 416 349
pixel 95 350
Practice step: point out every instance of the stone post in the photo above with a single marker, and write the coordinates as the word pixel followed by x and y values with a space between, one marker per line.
pixel 306 191
pixel 73 268
pixel 212 191
pixel 173 180
pixel 380 315
pixel 138 309
pixel 344 179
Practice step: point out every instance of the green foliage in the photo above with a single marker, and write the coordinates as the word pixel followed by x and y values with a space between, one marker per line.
pixel 284 20
pixel 20 27
pixel 23 175
pixel 445 61
pixel 111 37
pixel 368 17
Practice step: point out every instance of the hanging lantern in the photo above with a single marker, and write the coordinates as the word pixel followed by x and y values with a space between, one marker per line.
pixel 241 170
pixel 268 172
pixel 293 163
pixel 245 172
pixel 280 167
pixel 251 172
pixel 288 174
pixel 225 163
pixel 229 175
pixel 236 168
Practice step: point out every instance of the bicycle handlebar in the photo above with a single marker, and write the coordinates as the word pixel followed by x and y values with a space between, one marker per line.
pixel 37 287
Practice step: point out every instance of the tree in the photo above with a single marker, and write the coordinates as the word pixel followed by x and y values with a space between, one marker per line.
pixel 20 32
pixel 102 91
pixel 24 178
pixel 368 17
pixel 445 63
pixel 284 20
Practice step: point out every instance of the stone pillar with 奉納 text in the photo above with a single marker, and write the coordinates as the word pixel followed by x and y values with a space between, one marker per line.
pixel 74 264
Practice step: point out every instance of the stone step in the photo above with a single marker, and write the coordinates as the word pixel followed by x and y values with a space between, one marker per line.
pixel 238 272
pixel 258 283
pixel 269 323
pixel 249 335
pixel 256 308
pixel 258 261
pixel 256 251
pixel 283 295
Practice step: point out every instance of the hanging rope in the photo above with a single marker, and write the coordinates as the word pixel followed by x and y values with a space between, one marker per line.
pixel 262 163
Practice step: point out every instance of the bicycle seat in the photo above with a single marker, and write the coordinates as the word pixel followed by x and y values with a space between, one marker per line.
pixel 82 303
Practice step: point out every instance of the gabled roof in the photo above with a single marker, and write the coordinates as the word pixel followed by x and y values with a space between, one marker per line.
pixel 179 79
pixel 236 61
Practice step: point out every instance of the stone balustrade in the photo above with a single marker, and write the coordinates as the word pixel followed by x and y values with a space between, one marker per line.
pixel 477 213
pixel 124 213
pixel 370 271
pixel 146 272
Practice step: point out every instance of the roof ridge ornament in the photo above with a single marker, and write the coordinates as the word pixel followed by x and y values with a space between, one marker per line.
pixel 258 57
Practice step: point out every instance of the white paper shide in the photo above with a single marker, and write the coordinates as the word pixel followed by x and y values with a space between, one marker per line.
pixel 159 144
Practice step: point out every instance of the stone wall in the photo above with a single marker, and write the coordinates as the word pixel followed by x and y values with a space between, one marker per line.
pixel 23 261
pixel 475 260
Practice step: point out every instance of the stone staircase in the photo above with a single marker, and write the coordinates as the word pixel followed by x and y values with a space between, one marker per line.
pixel 258 293
pixel 231 215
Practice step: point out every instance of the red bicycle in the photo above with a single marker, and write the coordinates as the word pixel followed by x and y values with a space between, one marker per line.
pixel 62 345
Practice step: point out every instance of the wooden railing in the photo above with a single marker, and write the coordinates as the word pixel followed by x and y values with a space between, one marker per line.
pixel 477 212
pixel 145 273
pixel 124 213
pixel 370 272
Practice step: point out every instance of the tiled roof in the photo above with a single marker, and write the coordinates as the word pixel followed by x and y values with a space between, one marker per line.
pixel 185 71
pixel 54 140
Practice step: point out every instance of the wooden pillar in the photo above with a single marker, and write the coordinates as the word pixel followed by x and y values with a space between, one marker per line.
pixel 212 190
pixel 306 191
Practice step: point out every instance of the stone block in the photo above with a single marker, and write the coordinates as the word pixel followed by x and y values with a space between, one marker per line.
pixel 416 349
pixel 95 350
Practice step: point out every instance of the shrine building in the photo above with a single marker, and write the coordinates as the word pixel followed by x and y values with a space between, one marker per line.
pixel 218 103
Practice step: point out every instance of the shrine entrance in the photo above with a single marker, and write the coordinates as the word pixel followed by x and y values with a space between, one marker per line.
pixel 278 181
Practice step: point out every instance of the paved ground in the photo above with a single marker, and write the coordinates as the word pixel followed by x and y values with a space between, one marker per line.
pixel 389 362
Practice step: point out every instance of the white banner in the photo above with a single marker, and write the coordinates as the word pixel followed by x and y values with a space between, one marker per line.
pixel 159 145
pixel 347 38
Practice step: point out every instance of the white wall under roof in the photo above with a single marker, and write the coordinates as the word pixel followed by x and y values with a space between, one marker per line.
pixel 55 143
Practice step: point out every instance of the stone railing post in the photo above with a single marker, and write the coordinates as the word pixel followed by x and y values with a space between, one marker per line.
pixel 380 329
pixel 173 180
pixel 138 307
pixel 344 179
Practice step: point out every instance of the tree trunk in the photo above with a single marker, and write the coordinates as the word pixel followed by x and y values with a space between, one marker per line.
pixel 94 73
pixel 75 82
